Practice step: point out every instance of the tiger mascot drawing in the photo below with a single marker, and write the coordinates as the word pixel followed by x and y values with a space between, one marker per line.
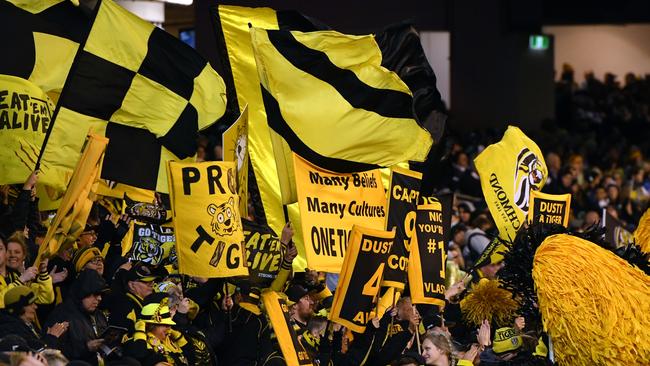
pixel 225 221
pixel 530 175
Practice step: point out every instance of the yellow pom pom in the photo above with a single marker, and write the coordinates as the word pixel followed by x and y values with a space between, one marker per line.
pixel 488 301
pixel 642 232
pixel 594 305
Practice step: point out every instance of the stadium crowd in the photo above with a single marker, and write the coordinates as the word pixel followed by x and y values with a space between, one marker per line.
pixel 92 305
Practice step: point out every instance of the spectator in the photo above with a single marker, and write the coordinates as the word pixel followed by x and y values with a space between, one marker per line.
pixel 19 318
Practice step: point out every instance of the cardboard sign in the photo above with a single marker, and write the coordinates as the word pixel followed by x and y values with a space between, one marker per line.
pixel 330 204
pixel 403 198
pixel 549 208
pixel 428 257
pixel 278 312
pixel 360 278
pixel 263 253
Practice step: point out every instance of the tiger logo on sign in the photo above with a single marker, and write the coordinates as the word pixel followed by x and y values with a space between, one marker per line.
pixel 225 219
pixel 147 250
pixel 528 176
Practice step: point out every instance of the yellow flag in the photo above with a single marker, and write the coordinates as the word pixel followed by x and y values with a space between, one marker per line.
pixel 234 22
pixel 75 206
pixel 25 112
pixel 207 224
pixel 333 103
pixel 361 275
pixel 330 204
pixel 509 171
pixel 549 208
pixel 278 312
pixel 235 148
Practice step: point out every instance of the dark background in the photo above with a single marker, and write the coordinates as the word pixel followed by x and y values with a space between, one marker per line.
pixel 495 78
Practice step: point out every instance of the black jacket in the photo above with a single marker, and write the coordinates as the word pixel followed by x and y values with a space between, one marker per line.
pixel 10 324
pixel 83 326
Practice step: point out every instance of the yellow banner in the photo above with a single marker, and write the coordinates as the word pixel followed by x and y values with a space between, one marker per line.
pixel 278 311
pixel 25 112
pixel 549 208
pixel 330 204
pixel 235 148
pixel 509 171
pixel 207 224
pixel 75 206
pixel 360 278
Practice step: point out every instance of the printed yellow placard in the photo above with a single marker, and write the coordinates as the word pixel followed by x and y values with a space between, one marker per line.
pixel 509 171
pixel 330 204
pixel 360 278
pixel 278 311
pixel 207 224
pixel 549 208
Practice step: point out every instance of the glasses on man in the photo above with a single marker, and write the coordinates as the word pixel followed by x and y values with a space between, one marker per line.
pixel 96 260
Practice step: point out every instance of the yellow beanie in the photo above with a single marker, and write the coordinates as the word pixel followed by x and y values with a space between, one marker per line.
pixel 85 255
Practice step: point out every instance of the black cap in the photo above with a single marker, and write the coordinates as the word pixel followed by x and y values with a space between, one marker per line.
pixel 14 343
pixel 140 272
pixel 296 292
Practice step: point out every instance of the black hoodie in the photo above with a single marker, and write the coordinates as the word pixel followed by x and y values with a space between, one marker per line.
pixel 83 326
pixel 11 324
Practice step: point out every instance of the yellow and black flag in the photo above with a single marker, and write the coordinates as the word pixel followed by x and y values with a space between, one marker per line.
pixel 45 36
pixel 243 85
pixel 327 95
pixel 510 170
pixel 145 90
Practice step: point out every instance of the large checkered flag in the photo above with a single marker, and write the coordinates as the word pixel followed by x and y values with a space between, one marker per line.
pixel 146 91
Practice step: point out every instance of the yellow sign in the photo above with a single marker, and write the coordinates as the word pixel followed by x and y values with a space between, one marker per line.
pixel 330 204
pixel 235 148
pixel 205 212
pixel 509 171
pixel 360 278
pixel 549 208
pixel 278 311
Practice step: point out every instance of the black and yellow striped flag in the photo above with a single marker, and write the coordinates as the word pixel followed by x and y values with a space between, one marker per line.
pixel 145 90
pixel 240 74
pixel 43 37
pixel 330 99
